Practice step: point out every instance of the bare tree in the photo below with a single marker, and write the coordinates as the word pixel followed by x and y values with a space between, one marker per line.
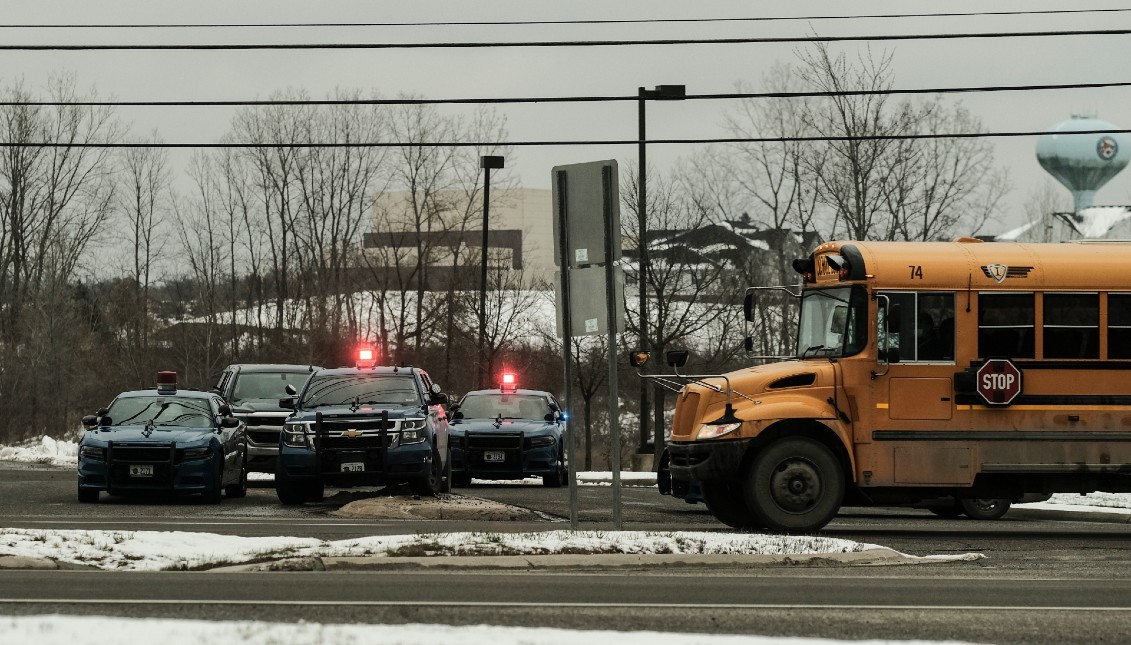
pixel 686 291
pixel 143 201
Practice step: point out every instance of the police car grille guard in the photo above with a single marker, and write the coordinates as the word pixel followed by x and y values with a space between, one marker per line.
pixel 338 438
pixel 508 443
pixel 162 456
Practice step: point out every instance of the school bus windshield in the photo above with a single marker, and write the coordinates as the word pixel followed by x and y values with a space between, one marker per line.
pixel 833 322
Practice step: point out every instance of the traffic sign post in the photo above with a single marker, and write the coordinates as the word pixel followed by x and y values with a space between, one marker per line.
pixel 998 381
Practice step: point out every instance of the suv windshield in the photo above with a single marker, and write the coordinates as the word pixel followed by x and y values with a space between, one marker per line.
pixel 160 411
pixel 509 406
pixel 266 385
pixel 832 322
pixel 362 389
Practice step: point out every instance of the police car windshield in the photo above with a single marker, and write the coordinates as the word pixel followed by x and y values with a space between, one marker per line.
pixel 363 389
pixel 266 385
pixel 508 406
pixel 160 411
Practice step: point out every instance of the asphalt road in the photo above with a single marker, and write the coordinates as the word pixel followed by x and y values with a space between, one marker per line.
pixel 1044 579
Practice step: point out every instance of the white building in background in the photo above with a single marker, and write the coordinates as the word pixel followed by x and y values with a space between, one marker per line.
pixel 521 235
pixel 1095 223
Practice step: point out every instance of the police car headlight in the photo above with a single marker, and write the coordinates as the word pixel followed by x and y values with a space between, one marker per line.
pixel 710 431
pixel 545 440
pixel 93 452
pixel 294 435
pixel 201 452
pixel 412 431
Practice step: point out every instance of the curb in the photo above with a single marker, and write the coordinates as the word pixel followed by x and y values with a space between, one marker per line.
pixel 604 562
pixel 1068 516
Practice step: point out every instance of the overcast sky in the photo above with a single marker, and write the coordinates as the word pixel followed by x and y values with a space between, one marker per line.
pixel 515 72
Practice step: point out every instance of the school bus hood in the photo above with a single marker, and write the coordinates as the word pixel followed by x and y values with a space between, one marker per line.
pixel 789 390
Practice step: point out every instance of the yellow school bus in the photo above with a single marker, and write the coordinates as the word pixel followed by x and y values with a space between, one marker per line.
pixel 965 369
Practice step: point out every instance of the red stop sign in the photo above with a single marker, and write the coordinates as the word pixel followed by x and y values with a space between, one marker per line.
pixel 998 381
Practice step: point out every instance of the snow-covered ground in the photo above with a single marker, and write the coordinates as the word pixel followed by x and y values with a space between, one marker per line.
pixel 153 550
pixel 67 630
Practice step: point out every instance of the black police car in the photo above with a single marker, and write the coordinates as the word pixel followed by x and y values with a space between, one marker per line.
pixel 364 425
pixel 163 440
pixel 508 433
pixel 254 390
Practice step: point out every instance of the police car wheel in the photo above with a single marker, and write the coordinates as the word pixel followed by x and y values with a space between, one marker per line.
pixel 212 496
pixel 239 489
pixel 290 494
pixel 87 495
pixel 428 485
pixel 558 479
pixel 446 486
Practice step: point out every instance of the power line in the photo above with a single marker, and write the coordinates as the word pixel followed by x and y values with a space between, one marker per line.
pixel 569 43
pixel 503 23
pixel 568 99
pixel 593 142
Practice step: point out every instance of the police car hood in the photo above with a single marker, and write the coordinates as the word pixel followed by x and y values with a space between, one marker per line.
pixel 152 434
pixel 527 426
pixel 364 411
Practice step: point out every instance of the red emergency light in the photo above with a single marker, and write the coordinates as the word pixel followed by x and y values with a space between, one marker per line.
pixel 366 358
pixel 166 382
pixel 508 382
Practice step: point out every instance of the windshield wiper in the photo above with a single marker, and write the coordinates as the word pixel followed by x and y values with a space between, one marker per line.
pixel 814 349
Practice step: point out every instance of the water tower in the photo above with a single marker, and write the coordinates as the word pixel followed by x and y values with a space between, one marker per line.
pixel 1083 162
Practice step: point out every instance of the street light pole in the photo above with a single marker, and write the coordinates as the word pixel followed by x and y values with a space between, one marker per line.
pixel 486 162
pixel 663 92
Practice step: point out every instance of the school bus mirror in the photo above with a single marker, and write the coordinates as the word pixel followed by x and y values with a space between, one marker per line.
pixel 748 307
pixel 638 358
pixel 748 343
pixel 965 382
pixel 891 322
pixel 676 358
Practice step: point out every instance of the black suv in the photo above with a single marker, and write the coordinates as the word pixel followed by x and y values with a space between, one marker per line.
pixel 364 425
pixel 254 390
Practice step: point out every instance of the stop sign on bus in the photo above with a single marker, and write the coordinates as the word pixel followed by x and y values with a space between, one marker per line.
pixel 998 381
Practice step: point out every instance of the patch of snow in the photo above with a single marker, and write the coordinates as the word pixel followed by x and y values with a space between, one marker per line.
pixel 66 630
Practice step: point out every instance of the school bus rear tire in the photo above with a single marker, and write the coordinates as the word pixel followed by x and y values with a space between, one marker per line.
pixel 985 509
pixel 725 501
pixel 794 485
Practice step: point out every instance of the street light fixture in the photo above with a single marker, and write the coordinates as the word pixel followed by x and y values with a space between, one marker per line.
pixel 486 162
pixel 662 93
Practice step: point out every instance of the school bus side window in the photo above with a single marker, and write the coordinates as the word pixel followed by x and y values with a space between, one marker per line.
pixel 1119 325
pixel 1005 325
pixel 1071 325
pixel 926 326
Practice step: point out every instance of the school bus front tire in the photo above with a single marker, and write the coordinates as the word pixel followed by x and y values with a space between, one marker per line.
pixel 724 499
pixel 794 485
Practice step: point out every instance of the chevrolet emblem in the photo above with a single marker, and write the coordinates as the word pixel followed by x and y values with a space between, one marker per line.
pixel 351 433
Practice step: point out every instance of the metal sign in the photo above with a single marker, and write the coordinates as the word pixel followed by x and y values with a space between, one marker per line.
pixel 998 381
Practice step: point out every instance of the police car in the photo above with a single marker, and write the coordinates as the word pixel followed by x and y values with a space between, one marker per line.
pixel 508 433
pixel 254 390
pixel 163 440
pixel 364 425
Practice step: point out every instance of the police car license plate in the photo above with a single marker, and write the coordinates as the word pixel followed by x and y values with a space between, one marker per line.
pixel 141 470
pixel 353 467
pixel 494 455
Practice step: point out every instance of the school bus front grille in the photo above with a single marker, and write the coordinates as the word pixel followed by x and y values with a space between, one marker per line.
pixel 687 412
